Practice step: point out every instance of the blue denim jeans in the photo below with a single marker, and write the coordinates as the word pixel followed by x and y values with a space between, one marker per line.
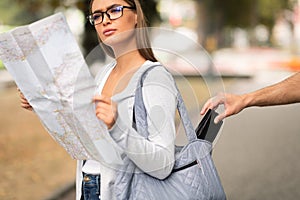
pixel 91 187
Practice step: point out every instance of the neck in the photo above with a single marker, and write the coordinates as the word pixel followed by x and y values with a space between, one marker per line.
pixel 129 61
pixel 124 47
pixel 127 55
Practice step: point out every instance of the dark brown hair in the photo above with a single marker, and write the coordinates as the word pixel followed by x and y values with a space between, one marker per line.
pixel 142 35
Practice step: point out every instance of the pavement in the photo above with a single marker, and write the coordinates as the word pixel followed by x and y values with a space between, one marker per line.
pixel 257 153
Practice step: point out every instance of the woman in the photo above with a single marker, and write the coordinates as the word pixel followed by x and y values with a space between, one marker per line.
pixel 120 25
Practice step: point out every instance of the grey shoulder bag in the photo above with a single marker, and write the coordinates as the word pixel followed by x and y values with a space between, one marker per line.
pixel 194 175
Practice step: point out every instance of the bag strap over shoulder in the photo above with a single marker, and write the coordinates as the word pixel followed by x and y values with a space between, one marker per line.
pixel 140 113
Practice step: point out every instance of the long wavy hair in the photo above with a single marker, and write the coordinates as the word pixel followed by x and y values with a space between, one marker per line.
pixel 142 35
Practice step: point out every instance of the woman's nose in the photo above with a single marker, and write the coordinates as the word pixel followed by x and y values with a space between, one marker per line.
pixel 106 19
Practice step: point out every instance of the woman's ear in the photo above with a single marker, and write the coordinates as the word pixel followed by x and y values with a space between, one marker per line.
pixel 135 18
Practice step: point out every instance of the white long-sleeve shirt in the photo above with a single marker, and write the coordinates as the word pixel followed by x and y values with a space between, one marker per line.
pixel 154 155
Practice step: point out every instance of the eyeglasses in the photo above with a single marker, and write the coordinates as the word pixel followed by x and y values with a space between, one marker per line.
pixel 112 13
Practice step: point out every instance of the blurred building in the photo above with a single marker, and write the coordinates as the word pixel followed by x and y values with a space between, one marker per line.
pixel 180 15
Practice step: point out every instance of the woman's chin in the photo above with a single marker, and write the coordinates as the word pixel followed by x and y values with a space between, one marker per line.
pixel 117 39
pixel 110 40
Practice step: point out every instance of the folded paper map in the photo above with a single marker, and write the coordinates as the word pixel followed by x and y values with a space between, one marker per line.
pixel 47 65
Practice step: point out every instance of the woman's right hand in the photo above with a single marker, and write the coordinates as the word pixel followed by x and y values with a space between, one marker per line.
pixel 24 103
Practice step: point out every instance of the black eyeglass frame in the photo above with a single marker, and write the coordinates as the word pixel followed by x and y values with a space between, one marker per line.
pixel 92 22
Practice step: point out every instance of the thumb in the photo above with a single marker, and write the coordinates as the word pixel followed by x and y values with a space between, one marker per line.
pixel 220 117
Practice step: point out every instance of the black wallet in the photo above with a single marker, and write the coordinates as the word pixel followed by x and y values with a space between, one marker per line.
pixel 207 129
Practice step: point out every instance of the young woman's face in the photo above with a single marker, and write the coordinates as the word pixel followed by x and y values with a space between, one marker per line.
pixel 109 30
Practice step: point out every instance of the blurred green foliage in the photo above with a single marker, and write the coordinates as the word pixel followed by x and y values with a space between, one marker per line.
pixel 1 65
pixel 242 13
pixel 245 13
pixel 220 14
pixel 20 12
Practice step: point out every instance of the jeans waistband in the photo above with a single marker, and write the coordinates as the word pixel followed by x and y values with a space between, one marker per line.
pixel 89 177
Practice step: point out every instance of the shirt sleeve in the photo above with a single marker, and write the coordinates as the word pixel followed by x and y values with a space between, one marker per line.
pixel 154 155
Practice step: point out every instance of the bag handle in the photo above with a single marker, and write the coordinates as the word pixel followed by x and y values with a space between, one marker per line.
pixel 140 113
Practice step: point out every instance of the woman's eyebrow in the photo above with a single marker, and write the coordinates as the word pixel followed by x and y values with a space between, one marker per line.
pixel 109 7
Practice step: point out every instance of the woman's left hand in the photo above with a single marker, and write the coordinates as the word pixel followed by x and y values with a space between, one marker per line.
pixel 106 110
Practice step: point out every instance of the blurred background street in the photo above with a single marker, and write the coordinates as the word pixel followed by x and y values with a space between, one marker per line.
pixel 210 46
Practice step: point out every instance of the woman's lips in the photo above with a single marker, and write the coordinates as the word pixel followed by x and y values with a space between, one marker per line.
pixel 109 32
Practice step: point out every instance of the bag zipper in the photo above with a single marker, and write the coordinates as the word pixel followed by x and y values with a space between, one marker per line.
pixel 195 162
